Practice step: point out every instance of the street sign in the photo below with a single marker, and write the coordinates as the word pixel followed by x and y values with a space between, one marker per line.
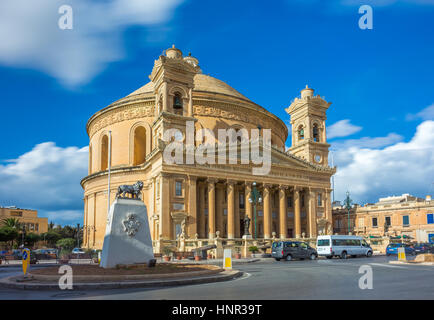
pixel 227 259
pixel 401 254
pixel 26 260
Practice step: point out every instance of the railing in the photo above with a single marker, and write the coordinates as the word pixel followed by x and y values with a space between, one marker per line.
pixel 238 245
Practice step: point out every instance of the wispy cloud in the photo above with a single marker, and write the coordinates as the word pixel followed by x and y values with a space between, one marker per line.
pixel 342 128
pixel 425 114
pixel 30 36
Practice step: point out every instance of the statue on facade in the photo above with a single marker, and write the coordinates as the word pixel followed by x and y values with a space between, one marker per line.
pixel 135 190
pixel 246 225
pixel 329 229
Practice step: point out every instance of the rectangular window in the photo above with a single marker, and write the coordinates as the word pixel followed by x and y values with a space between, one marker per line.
pixel 178 188
pixel 205 211
pixel 241 200
pixel 319 200
pixel 289 201
pixel 361 222
pixel 323 243
pixel 405 220
pixel 430 218
pixel 388 222
pixel 225 212
pixel 374 222
pixel 260 213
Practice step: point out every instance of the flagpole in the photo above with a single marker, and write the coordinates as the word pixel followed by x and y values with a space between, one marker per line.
pixel 109 167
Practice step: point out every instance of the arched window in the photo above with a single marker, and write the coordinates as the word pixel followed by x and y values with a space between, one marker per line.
pixel 315 133
pixel 177 104
pixel 300 133
pixel 139 145
pixel 104 153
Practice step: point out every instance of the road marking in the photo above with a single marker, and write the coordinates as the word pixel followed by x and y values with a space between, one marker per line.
pixel 387 265
pixel 244 276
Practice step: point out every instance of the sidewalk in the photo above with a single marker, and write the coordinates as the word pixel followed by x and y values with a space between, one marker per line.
pixel 15 283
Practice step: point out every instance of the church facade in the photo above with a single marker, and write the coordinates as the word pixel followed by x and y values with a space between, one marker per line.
pixel 207 199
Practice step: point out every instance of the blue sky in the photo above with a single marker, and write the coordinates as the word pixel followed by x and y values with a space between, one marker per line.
pixel 380 82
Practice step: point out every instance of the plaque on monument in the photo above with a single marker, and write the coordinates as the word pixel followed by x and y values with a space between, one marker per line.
pixel 127 239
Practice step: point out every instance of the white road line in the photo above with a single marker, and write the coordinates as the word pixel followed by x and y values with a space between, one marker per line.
pixel 245 276
pixel 387 265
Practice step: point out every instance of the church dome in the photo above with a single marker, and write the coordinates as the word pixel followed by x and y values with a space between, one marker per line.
pixel 202 83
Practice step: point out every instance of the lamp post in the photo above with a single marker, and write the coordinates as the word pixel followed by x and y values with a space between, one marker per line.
pixel 348 203
pixel 254 199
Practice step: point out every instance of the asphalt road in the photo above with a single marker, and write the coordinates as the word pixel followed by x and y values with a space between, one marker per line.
pixel 320 279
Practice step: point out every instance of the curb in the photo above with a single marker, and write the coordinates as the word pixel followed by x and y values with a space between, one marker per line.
pixel 413 263
pixel 222 276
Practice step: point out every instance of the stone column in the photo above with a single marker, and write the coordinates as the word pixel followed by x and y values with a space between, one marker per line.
pixel 190 103
pixel 282 212
pixel 267 212
pixel 211 208
pixel 327 205
pixel 311 212
pixel 85 223
pixel 165 97
pixel 165 218
pixel 237 212
pixel 231 209
pixel 192 207
pixel 248 205
pixel 219 208
pixel 297 214
pixel 201 215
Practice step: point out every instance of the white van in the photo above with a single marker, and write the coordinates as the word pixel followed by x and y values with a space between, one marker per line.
pixel 342 246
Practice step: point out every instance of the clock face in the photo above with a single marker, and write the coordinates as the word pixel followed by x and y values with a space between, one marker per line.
pixel 318 158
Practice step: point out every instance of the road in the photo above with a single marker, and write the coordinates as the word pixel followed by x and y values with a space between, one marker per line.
pixel 320 279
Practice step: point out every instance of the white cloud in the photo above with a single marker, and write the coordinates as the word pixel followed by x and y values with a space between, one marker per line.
pixel 368 142
pixel 30 36
pixel 342 128
pixel 425 114
pixel 47 178
pixel 404 167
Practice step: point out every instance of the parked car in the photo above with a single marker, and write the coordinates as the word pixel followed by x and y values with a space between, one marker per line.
pixel 422 247
pixel 392 248
pixel 290 250
pixel 77 251
pixel 342 246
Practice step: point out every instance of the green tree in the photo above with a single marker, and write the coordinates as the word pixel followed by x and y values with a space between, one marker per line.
pixel 12 223
pixel 51 237
pixel 8 234
pixel 67 243
pixel 31 238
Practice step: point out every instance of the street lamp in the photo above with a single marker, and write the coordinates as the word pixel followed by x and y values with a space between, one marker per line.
pixel 254 199
pixel 348 203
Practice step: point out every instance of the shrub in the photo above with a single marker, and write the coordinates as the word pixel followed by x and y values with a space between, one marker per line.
pixel 167 251
pixel 253 249
pixel 67 243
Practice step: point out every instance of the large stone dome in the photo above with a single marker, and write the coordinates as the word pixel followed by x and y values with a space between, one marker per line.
pixel 202 83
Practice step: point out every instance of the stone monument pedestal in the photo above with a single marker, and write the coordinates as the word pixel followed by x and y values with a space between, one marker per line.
pixel 247 236
pixel 127 239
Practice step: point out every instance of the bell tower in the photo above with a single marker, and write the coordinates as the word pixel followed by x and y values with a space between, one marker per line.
pixel 173 78
pixel 308 116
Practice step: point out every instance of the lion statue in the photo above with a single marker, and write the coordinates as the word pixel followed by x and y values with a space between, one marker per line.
pixel 134 190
